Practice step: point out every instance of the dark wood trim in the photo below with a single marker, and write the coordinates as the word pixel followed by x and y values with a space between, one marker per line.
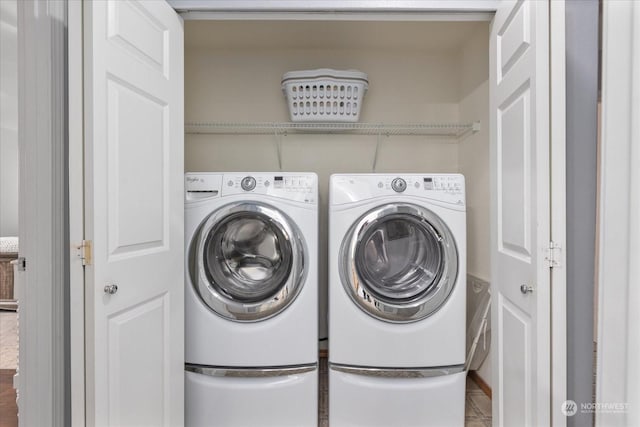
pixel 481 383
pixel 8 406
pixel 324 352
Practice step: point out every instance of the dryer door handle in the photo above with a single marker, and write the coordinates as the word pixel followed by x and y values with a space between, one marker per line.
pixel 398 372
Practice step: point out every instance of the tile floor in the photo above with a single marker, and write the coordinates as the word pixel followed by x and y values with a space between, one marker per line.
pixel 478 404
pixel 8 340
pixel 323 393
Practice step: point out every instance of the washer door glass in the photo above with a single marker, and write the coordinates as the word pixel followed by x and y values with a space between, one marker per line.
pixel 399 262
pixel 247 257
pixel 250 261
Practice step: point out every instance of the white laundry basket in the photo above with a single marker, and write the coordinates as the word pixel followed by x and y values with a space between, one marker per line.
pixel 324 95
pixel 478 324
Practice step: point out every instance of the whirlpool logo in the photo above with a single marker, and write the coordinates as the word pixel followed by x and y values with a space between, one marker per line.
pixel 191 179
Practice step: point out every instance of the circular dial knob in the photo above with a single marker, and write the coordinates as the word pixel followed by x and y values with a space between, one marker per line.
pixel 248 183
pixel 399 185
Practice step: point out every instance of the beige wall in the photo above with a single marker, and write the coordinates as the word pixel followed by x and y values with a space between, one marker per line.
pixel 473 164
pixel 474 160
pixel 474 149
pixel 406 85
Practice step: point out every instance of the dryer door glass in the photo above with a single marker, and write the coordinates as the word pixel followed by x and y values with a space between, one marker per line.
pixel 400 257
pixel 399 262
pixel 248 262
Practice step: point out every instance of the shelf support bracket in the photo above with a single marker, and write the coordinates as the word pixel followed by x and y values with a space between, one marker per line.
pixel 278 141
pixel 375 154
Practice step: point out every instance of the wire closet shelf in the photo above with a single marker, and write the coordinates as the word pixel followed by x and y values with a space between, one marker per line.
pixel 453 130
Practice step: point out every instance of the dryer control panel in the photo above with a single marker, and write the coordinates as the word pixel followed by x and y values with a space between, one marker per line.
pixel 451 184
pixel 348 188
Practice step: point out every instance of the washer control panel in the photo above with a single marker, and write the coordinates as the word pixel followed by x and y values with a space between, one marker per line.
pixel 248 183
pixel 301 187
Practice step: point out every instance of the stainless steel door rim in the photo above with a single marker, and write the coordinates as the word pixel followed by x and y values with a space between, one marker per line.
pixel 247 261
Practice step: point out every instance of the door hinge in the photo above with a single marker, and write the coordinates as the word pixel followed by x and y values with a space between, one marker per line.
pixel 85 252
pixel 21 263
pixel 553 254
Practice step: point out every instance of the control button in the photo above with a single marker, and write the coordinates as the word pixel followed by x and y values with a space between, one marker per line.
pixel 248 183
pixel 230 183
pixel 417 184
pixel 380 184
pixel 266 183
pixel 399 185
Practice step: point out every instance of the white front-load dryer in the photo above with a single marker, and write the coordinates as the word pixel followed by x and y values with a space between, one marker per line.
pixel 397 295
pixel 251 316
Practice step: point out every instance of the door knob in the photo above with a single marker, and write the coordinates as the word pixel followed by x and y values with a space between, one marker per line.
pixel 111 289
pixel 526 289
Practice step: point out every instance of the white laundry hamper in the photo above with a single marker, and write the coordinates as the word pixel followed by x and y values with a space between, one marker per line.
pixel 324 95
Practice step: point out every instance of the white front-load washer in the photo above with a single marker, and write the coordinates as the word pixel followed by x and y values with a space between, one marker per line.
pixel 397 294
pixel 251 299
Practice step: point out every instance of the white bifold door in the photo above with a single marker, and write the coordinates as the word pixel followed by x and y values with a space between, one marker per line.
pixel 134 213
pixel 134 152
pixel 519 74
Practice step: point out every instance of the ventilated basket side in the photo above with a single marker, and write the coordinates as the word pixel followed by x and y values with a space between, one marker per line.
pixel 324 100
